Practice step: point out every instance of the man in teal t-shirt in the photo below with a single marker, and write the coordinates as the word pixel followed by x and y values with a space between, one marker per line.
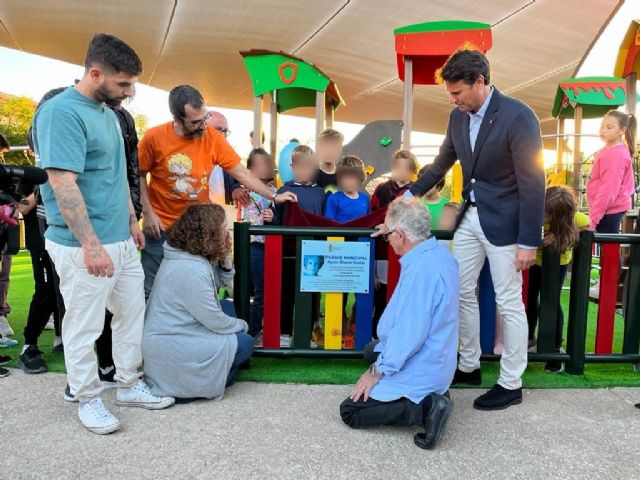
pixel 93 230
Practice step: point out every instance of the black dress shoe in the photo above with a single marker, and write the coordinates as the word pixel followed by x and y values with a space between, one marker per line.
pixel 471 378
pixel 498 398
pixel 434 422
pixel 4 359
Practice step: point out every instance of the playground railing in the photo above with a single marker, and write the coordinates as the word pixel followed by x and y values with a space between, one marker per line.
pixel 550 295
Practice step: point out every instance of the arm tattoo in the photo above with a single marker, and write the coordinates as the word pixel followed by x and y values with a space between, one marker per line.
pixel 72 206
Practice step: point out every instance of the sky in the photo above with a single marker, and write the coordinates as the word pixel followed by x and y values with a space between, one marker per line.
pixel 33 75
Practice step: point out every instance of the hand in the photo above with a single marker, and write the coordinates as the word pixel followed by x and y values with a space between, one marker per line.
pixel 97 260
pixel 267 215
pixel 240 196
pixel 227 241
pixel 525 258
pixel 137 235
pixel 381 229
pixel 285 197
pixel 151 224
pixel 363 387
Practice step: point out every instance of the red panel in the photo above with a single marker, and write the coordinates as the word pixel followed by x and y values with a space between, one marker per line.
pixel 610 262
pixel 393 274
pixel 272 291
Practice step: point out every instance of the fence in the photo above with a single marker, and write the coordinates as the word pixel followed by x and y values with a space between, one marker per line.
pixel 575 357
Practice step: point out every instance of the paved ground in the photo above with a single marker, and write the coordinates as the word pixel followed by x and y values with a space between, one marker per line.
pixel 294 431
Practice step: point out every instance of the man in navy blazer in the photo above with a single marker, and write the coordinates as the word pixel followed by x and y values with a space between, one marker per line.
pixel 497 140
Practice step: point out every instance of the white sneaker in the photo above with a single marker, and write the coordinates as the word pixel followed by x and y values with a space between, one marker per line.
pixel 140 396
pixel 5 328
pixel 285 341
pixel 96 418
pixel 257 342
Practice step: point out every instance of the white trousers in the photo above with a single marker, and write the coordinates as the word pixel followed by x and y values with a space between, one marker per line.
pixel 470 249
pixel 86 297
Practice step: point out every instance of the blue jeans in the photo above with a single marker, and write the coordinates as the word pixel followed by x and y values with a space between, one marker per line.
pixel 243 354
pixel 257 278
pixel 610 223
pixel 151 258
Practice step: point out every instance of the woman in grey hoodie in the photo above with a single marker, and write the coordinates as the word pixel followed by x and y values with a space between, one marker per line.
pixel 190 347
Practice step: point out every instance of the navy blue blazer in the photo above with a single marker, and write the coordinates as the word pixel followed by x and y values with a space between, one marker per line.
pixel 508 179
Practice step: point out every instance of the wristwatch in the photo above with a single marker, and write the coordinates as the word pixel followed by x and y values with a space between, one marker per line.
pixel 374 372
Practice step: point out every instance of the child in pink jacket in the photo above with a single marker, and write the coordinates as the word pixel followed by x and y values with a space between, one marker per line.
pixel 611 183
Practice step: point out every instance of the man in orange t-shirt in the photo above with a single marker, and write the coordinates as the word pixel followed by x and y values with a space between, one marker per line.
pixel 179 157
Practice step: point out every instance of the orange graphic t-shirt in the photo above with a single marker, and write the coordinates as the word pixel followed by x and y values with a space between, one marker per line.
pixel 180 168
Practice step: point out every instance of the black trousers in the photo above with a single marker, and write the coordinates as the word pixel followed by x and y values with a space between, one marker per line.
pixel 533 303
pixel 379 304
pixel 402 412
pixel 46 298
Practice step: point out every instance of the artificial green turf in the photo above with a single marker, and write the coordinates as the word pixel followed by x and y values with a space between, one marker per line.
pixel 334 371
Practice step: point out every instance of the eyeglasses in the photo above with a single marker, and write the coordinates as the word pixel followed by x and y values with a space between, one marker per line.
pixel 197 123
pixel 225 131
pixel 385 236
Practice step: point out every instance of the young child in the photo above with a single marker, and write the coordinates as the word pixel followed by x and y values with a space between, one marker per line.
pixel 329 148
pixel 611 181
pixel 348 202
pixel 311 198
pixel 562 223
pixel 433 201
pixel 448 216
pixel 257 212
pixel 404 166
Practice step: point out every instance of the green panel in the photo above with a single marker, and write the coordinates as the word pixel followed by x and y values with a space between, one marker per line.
pixel 303 313
pixel 579 304
pixel 444 25
pixel 264 71
pixel 242 278
pixel 290 98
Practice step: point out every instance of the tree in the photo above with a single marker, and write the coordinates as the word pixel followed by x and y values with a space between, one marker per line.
pixel 16 114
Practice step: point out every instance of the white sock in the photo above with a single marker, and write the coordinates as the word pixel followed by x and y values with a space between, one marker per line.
pixel 24 349
pixel 57 341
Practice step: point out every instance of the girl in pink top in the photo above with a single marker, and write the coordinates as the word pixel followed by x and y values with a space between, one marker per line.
pixel 611 182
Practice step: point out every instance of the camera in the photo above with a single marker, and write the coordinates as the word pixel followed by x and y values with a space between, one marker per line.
pixel 16 183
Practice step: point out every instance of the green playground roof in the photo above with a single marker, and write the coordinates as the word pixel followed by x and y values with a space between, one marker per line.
pixel 596 96
pixel 294 80
pixel 442 26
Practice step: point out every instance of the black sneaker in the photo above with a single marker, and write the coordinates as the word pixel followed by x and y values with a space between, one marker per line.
pixel 498 398
pixel 4 359
pixel 106 377
pixel 31 360
pixel 434 422
pixel 58 348
pixel 4 372
pixel 68 396
pixel 471 378
pixel 554 367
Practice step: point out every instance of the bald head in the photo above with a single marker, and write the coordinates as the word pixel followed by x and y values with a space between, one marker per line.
pixel 218 121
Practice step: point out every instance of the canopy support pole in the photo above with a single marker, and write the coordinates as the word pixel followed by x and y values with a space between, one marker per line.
pixel 257 121
pixel 328 115
pixel 577 157
pixel 630 106
pixel 273 125
pixel 319 113
pixel 560 142
pixel 407 111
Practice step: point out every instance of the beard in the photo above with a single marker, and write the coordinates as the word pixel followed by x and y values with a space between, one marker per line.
pixel 195 134
pixel 104 95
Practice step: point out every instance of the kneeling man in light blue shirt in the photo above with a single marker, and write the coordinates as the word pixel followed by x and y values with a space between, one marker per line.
pixel 413 362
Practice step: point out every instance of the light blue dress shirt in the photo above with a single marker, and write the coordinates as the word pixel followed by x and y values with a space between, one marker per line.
pixel 418 330
pixel 475 120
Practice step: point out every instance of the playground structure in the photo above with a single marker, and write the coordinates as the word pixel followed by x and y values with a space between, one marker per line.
pixel 291 82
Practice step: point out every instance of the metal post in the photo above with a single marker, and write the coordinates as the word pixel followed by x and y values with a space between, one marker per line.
pixel 631 341
pixel 560 142
pixel 549 301
pixel 328 115
pixel 273 126
pixel 630 104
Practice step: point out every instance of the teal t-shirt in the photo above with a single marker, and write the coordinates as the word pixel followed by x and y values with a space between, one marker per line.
pixel 75 133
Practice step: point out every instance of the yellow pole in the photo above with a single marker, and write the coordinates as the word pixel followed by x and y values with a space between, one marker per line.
pixel 333 315
pixel 456 183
